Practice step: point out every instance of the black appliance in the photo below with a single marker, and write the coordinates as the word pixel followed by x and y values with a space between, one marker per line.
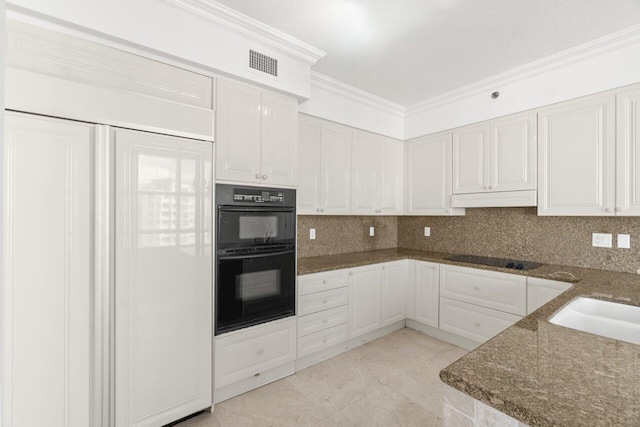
pixel 496 262
pixel 255 256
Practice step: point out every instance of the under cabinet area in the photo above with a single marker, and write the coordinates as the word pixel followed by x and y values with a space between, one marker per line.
pixel 256 135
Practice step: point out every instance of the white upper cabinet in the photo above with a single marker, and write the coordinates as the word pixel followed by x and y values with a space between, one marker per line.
pixel 256 135
pixel 628 152
pixel 513 153
pixel 309 148
pixel 429 176
pixel 471 159
pixel 376 175
pixel 335 169
pixel 576 155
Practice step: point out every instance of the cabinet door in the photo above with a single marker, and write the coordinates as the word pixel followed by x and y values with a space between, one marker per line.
pixel 163 300
pixel 471 159
pixel 429 176
pixel 335 169
pixel 279 139
pixel 309 141
pixel 364 300
pixel 365 154
pixel 541 291
pixel 392 288
pixel 513 153
pixel 426 281
pixel 576 157
pixel 628 153
pixel 48 283
pixel 390 177
pixel 238 124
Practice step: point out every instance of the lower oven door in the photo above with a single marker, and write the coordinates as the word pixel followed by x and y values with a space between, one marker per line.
pixel 253 289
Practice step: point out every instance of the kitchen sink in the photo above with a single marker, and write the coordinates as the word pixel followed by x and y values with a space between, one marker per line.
pixel 604 318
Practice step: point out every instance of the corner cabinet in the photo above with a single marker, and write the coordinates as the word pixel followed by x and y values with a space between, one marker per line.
pixel 256 135
pixel 429 176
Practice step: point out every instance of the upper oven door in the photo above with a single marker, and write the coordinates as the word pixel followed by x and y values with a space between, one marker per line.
pixel 255 227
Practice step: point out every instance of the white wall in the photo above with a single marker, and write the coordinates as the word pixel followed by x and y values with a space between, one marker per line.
pixel 2 92
pixel 589 69
pixel 151 24
pixel 341 103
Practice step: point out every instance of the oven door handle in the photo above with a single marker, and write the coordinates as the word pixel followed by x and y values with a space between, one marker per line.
pixel 258 208
pixel 255 255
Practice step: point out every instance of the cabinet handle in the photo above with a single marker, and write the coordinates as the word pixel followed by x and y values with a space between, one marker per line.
pixel 491 187
pixel 476 324
pixel 486 187
pixel 318 210
pixel 351 273
pixel 324 282
pixel 324 301
pixel 609 210
pixel 324 340
pixel 258 176
pixel 324 320
pixel 264 176
pixel 259 352
pixel 322 209
pixel 384 267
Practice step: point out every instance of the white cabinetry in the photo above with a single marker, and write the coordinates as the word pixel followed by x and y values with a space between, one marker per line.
pixel 394 277
pixel 256 135
pixel 364 299
pixel 628 152
pixel 47 377
pixel 335 170
pixel 541 291
pixel 577 157
pixel 494 163
pixel 376 175
pixel 471 321
pixel 429 176
pixel 163 283
pixel 426 302
pixel 309 169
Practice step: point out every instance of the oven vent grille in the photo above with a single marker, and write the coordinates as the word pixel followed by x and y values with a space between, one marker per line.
pixel 261 62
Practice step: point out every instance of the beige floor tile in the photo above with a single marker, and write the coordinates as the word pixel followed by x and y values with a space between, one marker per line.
pixel 385 407
pixel 420 387
pixel 276 404
pixel 421 344
pixel 335 383
pixel 206 419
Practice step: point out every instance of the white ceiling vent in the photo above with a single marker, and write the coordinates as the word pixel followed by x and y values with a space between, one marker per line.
pixel 261 62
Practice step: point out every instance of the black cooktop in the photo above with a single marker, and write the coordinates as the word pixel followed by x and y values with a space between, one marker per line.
pixel 495 262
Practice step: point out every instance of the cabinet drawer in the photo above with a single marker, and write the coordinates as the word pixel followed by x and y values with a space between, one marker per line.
pixel 253 351
pixel 322 320
pixel 321 340
pixel 319 301
pixel 500 291
pixel 317 282
pixel 470 321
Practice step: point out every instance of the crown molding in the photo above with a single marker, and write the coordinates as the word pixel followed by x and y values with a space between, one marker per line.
pixel 358 95
pixel 587 50
pixel 219 14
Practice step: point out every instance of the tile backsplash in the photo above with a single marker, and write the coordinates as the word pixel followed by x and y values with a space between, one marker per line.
pixel 499 232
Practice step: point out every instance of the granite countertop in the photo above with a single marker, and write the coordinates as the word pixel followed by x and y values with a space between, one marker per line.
pixel 537 372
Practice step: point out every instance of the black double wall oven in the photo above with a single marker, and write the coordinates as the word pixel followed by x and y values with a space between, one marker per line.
pixel 255 256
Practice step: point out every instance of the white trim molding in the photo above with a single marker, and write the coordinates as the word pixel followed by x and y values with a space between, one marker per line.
pixel 232 20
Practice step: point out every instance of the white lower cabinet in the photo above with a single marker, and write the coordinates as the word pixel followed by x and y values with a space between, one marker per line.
pixel 541 291
pixel 426 302
pixel 252 351
pixel 315 342
pixel 364 299
pixel 163 279
pixel 473 322
pixel 392 302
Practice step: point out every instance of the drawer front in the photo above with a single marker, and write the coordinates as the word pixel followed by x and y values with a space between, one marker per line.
pixel 470 321
pixel 258 349
pixel 321 320
pixel 500 291
pixel 318 282
pixel 319 301
pixel 321 340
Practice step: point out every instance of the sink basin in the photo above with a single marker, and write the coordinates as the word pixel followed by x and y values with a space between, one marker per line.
pixel 608 319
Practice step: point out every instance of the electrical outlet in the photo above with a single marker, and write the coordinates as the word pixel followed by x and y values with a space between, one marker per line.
pixel 624 241
pixel 427 231
pixel 372 231
pixel 601 240
pixel 312 233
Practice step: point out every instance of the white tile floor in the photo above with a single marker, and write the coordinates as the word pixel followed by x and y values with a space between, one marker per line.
pixel 392 381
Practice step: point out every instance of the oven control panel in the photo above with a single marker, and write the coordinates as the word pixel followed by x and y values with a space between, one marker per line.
pixel 258 196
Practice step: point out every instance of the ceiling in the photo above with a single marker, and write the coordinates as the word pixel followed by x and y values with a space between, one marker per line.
pixel 408 51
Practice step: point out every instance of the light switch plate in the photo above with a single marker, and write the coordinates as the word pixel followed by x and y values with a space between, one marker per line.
pixel 427 231
pixel 312 233
pixel 372 231
pixel 601 240
pixel 624 241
